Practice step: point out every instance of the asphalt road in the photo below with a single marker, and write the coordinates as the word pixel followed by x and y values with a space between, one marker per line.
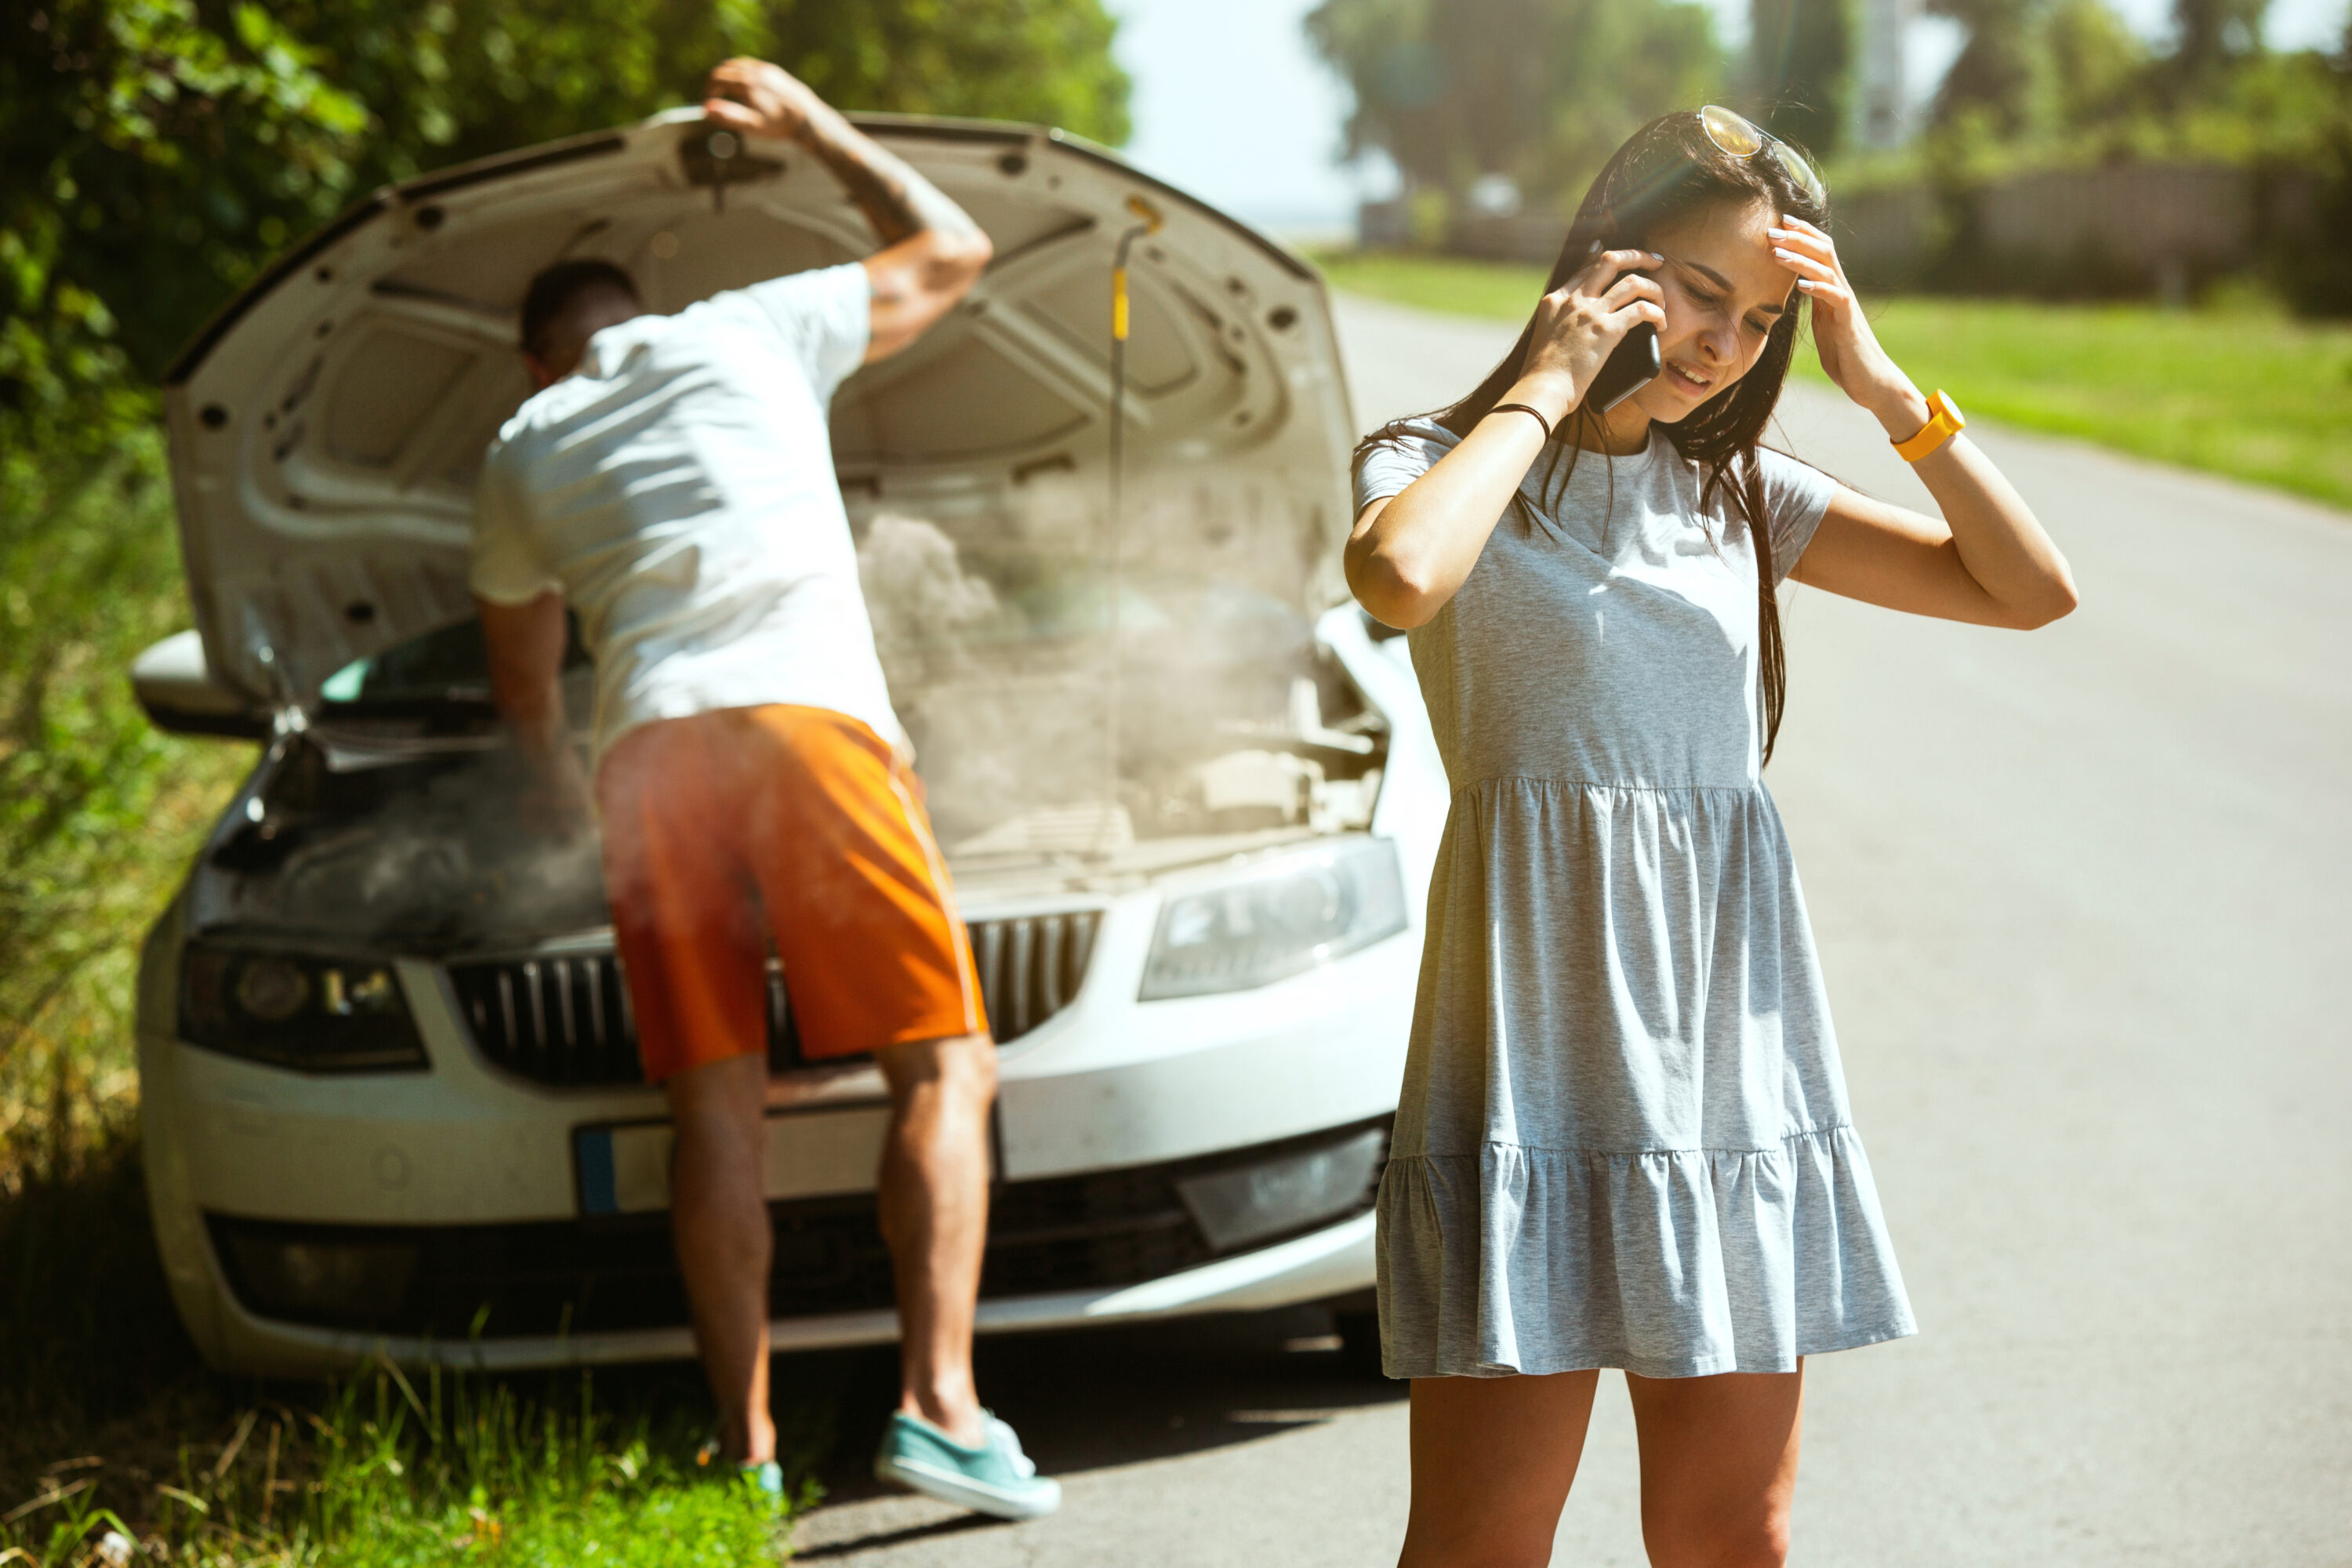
pixel 2081 896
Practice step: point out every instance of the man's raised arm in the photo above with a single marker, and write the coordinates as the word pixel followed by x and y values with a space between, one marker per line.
pixel 932 252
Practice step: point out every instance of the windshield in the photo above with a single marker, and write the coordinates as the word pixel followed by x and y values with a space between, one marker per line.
pixel 443 669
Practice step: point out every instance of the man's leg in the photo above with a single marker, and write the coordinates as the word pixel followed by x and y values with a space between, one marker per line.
pixel 689 941
pixel 935 1170
pixel 877 961
pixel 718 1217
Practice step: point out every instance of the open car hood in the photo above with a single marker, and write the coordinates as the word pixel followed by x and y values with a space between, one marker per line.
pixel 327 426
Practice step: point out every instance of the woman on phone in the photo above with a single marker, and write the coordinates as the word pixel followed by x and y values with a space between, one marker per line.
pixel 1624 1138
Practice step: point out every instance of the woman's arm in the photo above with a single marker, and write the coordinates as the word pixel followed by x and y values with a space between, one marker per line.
pixel 1411 551
pixel 1988 561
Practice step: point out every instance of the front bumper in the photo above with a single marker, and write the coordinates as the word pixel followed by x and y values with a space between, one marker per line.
pixel 1333 1260
pixel 1102 1112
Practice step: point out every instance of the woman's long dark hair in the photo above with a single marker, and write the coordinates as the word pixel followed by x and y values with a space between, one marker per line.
pixel 1665 170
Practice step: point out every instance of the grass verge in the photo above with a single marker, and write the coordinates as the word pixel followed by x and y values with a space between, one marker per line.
pixel 117 1446
pixel 2242 391
pixel 391 1472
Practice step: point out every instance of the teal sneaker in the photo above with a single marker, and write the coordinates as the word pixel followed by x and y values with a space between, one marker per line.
pixel 996 1478
pixel 768 1477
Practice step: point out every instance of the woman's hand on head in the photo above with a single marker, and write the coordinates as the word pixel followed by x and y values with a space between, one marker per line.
pixel 1988 560
pixel 1849 349
pixel 1579 324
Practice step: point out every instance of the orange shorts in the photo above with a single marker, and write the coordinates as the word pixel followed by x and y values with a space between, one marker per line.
pixel 724 831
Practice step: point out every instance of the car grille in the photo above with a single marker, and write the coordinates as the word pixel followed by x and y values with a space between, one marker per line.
pixel 1030 966
pixel 566 1020
pixel 1098 1231
pixel 553 1020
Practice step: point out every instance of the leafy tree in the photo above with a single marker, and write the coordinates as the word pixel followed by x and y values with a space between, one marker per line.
pixel 2045 68
pixel 1437 85
pixel 210 134
pixel 447 82
pixel 201 140
pixel 2040 67
pixel 1622 64
pixel 2090 65
pixel 1539 90
pixel 1800 69
pixel 2209 36
pixel 1993 78
pixel 151 157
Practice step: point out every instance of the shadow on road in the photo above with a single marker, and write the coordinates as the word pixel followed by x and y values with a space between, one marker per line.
pixel 883 1540
pixel 1096 1398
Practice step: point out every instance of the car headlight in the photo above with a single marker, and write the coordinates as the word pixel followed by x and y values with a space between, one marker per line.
pixel 297 1010
pixel 1278 918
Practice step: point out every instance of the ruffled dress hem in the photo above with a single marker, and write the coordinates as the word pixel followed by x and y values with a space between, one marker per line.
pixel 1666 1263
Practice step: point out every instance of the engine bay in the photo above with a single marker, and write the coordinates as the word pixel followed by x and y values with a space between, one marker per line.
pixel 1066 739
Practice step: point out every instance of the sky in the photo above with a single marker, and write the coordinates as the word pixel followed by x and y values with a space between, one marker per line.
pixel 1231 103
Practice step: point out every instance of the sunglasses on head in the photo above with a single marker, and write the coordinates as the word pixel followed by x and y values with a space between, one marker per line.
pixel 1741 137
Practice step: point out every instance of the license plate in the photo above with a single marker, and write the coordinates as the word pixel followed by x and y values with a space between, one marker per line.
pixel 624 1168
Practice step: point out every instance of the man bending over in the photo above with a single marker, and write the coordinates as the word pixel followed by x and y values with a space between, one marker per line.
pixel 672 481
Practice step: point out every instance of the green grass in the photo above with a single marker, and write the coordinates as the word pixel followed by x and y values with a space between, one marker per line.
pixel 391 1472
pixel 2236 391
pixel 109 1424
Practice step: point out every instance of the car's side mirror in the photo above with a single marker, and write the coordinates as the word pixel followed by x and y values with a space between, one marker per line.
pixel 178 689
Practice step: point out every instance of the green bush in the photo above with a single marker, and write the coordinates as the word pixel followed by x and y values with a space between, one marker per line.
pixel 97 811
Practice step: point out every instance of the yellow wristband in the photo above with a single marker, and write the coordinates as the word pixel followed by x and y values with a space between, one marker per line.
pixel 1944 422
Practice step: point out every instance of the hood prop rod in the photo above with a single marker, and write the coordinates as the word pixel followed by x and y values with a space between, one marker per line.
pixel 1150 222
pixel 723 146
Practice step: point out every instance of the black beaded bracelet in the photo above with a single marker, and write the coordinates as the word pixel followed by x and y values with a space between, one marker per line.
pixel 1523 408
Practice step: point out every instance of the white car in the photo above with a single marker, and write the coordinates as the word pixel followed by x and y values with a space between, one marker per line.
pixel 390 1095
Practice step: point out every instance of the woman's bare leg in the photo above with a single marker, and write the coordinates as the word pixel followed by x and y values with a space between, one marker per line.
pixel 1492 1461
pixel 1718 1466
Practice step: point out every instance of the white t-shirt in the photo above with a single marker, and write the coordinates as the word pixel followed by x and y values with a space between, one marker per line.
pixel 677 489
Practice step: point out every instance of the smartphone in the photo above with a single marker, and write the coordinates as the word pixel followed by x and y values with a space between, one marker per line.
pixel 1630 366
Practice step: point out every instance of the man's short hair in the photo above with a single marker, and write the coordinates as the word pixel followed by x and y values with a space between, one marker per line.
pixel 554 291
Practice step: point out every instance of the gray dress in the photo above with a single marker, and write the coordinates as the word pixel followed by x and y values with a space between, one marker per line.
pixel 1623 1138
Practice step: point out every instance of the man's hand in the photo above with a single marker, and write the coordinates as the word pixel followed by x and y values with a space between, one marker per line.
pixel 560 803
pixel 756 98
pixel 525 642
pixel 932 252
